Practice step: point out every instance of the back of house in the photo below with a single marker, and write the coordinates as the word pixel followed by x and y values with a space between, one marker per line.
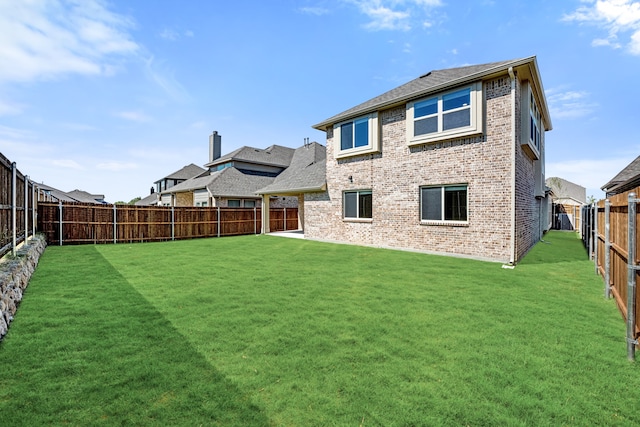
pixel 451 162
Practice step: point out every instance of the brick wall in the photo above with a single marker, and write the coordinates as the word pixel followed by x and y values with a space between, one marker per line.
pixel 396 174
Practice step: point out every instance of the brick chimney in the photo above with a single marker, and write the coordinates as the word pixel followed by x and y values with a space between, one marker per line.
pixel 215 146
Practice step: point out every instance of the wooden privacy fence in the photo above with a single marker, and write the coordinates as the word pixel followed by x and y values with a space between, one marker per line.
pixel 610 232
pixel 18 196
pixel 78 223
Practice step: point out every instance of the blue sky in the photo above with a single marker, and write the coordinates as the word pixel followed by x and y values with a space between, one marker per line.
pixel 109 96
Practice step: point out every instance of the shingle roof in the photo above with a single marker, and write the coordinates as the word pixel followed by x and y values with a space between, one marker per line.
pixel 228 182
pixel 433 81
pixel 151 199
pixel 625 179
pixel 58 194
pixel 307 172
pixel 563 189
pixel 186 172
pixel 275 155
pixel 86 197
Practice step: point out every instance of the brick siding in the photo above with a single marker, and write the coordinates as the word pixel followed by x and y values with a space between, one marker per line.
pixel 396 174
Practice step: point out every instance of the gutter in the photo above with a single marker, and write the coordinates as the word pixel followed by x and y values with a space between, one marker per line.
pixel 512 249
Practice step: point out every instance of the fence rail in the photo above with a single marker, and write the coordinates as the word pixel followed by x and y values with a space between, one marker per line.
pixel 611 235
pixel 17 200
pixel 79 223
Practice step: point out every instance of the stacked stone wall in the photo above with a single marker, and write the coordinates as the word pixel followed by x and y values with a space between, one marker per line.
pixel 15 273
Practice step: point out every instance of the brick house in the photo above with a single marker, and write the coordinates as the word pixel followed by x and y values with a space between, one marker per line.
pixel 451 162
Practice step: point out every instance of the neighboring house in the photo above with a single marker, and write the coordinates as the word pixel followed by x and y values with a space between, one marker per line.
pixel 233 179
pixel 451 162
pixel 627 179
pixel 305 175
pixel 169 181
pixel 568 199
pixel 51 194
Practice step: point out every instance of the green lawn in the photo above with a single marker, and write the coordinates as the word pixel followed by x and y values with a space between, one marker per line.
pixel 267 331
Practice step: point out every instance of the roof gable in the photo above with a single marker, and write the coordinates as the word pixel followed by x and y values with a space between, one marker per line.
pixel 307 172
pixel 275 155
pixel 436 81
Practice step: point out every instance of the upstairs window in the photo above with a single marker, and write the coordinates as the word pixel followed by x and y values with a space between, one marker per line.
pixel 447 115
pixel 356 136
pixel 534 122
pixel 443 203
pixel 358 204
pixel 532 139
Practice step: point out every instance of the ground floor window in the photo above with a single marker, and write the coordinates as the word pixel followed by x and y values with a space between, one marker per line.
pixel 443 203
pixel 358 204
pixel 233 203
pixel 249 203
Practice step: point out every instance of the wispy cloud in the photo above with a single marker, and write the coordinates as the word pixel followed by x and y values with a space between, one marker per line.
pixel 589 173
pixel 134 116
pixel 173 35
pixel 164 77
pixel 617 17
pixel 50 38
pixel 8 108
pixel 67 164
pixel 318 11
pixel 568 104
pixel 400 15
pixel 116 166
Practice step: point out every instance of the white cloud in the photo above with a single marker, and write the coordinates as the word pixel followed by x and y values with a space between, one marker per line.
pixel 318 11
pixel 44 39
pixel 116 166
pixel 617 17
pixel 158 73
pixel 589 173
pixel 395 14
pixel 567 104
pixel 67 164
pixel 169 34
pixel 134 116
pixel 8 108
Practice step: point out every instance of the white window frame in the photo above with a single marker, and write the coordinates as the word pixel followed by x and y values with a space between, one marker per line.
pixel 531 123
pixel 475 122
pixel 443 221
pixel 357 217
pixel 373 145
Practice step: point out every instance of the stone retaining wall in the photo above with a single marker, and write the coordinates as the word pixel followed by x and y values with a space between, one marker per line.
pixel 14 278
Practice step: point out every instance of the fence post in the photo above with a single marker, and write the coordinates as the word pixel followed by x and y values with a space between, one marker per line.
pixel 115 225
pixel 26 208
pixel 285 219
pixel 14 198
pixel 607 250
pixel 218 221
pixel 631 280
pixel 596 239
pixel 34 213
pixel 60 213
pixel 173 223
pixel 255 220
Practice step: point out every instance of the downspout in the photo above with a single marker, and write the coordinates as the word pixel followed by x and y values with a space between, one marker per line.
pixel 512 249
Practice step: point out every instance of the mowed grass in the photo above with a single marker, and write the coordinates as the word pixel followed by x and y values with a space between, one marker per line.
pixel 262 330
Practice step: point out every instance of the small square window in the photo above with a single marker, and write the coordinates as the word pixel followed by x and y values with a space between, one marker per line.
pixel 233 203
pixel 357 136
pixel 358 204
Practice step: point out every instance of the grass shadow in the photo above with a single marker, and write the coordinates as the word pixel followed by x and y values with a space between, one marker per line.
pixel 89 349
pixel 556 247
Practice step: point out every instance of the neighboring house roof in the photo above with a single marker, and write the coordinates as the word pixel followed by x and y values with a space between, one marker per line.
pixel 228 182
pixel 563 189
pixel 85 197
pixel 58 194
pixel 306 173
pixel 186 172
pixel 275 155
pixel 151 199
pixel 439 80
pixel 626 179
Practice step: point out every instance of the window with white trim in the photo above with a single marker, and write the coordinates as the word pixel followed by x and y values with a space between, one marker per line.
pixel 446 115
pixel 445 203
pixel 356 136
pixel 357 204
pixel 535 122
